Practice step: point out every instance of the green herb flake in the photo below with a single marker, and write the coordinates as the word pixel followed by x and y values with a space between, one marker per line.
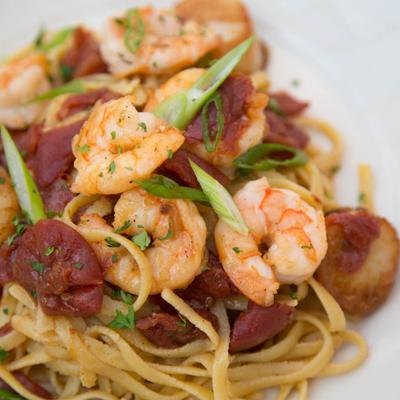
pixel 111 167
pixel 307 246
pixel 34 294
pixel 113 135
pixel 123 321
pixel 183 321
pixel 335 169
pixel 170 154
pixel 84 149
pixel 37 266
pixel 6 311
pixel 38 41
pixel 78 265
pixel 111 242
pixel 293 295
pixel 2 181
pixel 168 235
pixel 142 126
pixel 124 227
pixel 236 250
pixel 274 106
pixel 362 198
pixel 142 240
pixel 49 251
pixel 3 354
pixel 126 297
pixel 114 258
pixel 66 72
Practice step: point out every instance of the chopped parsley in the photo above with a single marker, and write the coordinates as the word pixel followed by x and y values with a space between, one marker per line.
pixel 78 265
pixel 84 149
pixel 6 311
pixel 111 167
pixel 142 240
pixel 114 258
pixel 124 321
pixel 111 242
pixel 236 250
pixel 293 295
pixel 170 154
pixel 20 228
pixel 124 227
pixel 49 251
pixel 362 198
pixel 3 354
pixel 113 135
pixel 274 106
pixel 2 181
pixel 37 266
pixel 167 236
pixel 142 126
pixel 183 321
pixel 120 294
pixel 66 72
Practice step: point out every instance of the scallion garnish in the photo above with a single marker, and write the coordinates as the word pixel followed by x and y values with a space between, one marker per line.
pixel 205 123
pixel 166 188
pixel 220 199
pixel 27 192
pixel 257 157
pixel 133 34
pixel 58 38
pixel 180 109
pixel 75 86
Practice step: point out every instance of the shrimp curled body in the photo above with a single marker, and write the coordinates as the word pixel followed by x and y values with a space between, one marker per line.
pixel 117 145
pixel 293 231
pixel 20 81
pixel 177 233
pixel 167 45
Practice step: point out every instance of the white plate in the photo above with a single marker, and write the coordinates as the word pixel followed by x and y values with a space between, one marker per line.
pixel 346 56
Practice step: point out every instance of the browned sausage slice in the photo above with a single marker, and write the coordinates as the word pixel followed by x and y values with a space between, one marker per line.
pixel 55 261
pixel 362 260
pixel 258 324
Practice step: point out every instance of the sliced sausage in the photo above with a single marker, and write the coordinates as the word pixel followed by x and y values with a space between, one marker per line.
pixel 170 331
pixel 288 104
pixel 55 261
pixel 258 324
pixel 178 168
pixel 84 101
pixel 54 154
pixel 84 56
pixel 362 260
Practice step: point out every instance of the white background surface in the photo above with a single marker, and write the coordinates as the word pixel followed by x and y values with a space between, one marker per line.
pixel 346 55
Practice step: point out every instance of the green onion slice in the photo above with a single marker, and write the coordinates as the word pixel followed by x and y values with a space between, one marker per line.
pixel 205 128
pixel 27 192
pixel 75 86
pixel 58 39
pixel 166 188
pixel 180 109
pixel 133 34
pixel 7 395
pixel 220 199
pixel 257 157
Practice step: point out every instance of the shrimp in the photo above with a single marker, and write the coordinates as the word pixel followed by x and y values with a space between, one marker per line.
pixel 230 20
pixel 243 110
pixel 117 145
pixel 166 44
pixel 178 235
pixel 20 81
pixel 8 205
pixel 278 218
